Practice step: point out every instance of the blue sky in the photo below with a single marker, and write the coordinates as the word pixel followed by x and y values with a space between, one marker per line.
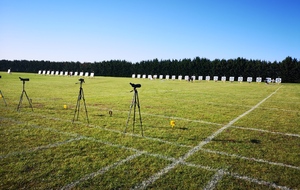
pixel 136 30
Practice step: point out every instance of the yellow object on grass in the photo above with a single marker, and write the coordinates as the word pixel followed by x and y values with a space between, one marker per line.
pixel 172 123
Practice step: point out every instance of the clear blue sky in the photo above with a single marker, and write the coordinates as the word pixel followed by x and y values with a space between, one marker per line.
pixel 136 30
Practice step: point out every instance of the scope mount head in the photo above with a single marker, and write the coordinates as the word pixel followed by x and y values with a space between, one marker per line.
pixel 135 85
pixel 24 79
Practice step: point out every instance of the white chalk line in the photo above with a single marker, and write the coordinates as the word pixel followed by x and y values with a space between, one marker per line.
pixel 40 148
pixel 156 156
pixel 251 159
pixel 184 119
pixel 266 131
pixel 153 178
pixel 101 171
pixel 236 175
pixel 215 179
pixel 260 182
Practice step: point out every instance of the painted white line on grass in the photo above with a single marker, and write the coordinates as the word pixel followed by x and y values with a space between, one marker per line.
pixel 184 119
pixel 101 171
pixel 266 131
pixel 161 157
pixel 40 148
pixel 153 178
pixel 251 159
pixel 140 136
pixel 260 182
pixel 236 175
pixel 215 179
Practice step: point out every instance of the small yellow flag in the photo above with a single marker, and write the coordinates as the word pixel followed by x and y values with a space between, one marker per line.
pixel 172 123
pixel 65 106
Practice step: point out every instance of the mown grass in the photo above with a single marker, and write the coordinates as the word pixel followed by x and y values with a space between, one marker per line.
pixel 43 149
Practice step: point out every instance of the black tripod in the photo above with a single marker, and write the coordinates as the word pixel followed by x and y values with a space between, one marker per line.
pixel 3 98
pixel 80 96
pixel 24 92
pixel 135 102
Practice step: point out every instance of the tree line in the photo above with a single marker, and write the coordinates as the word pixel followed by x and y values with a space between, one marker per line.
pixel 287 69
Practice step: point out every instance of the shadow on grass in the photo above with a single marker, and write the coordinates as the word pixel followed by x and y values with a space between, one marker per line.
pixel 254 141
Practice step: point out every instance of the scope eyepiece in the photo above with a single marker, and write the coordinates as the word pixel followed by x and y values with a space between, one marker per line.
pixel 24 79
pixel 135 85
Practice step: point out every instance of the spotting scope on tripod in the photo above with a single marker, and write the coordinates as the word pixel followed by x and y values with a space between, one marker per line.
pixel 80 96
pixel 24 92
pixel 135 103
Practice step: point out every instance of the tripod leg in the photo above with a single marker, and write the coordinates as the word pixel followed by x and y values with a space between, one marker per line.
pixel 86 113
pixel 138 104
pixel 77 106
pixel 20 102
pixel 28 100
pixel 129 114
pixel 134 111
pixel 3 98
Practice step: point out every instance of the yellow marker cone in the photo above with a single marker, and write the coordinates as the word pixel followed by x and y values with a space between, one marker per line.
pixel 172 123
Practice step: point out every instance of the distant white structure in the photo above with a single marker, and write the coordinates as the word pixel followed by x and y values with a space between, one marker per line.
pixel 231 79
pixel 61 73
pixel 167 77
pixel 278 80
pixel 249 79
pixel 240 79
pixel 200 77
pixel 81 74
pixel 223 78
pixel 44 72
pixel 92 75
pixel 173 77
pixel 180 77
pixel 133 76
pixel 138 76
pixel 216 78
pixel 52 72
pixel 207 78
pixel 76 73
pixel 161 76
pixel 56 72
pixel 258 79
pixel 40 72
pixel 86 74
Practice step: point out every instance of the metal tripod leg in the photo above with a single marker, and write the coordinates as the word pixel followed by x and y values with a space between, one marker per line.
pixel 138 104
pixel 3 98
pixel 21 99
pixel 135 102
pixel 77 109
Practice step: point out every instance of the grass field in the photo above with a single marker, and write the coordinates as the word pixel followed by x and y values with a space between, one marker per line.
pixel 226 135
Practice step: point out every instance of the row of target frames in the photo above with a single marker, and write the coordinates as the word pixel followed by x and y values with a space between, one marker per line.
pixel 207 78
pixel 66 73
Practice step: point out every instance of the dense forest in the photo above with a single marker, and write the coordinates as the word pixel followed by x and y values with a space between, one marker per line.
pixel 288 69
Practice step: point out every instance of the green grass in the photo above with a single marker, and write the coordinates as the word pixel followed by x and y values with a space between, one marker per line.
pixel 44 149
